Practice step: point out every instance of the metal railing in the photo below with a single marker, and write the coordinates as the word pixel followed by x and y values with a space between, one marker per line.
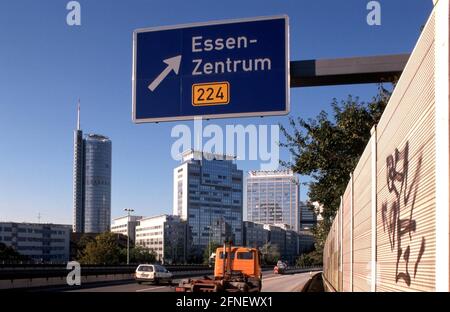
pixel 47 271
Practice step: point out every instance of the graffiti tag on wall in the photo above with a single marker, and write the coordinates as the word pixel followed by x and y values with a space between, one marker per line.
pixel 400 228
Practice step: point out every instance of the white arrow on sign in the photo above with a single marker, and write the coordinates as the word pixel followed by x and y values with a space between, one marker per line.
pixel 173 63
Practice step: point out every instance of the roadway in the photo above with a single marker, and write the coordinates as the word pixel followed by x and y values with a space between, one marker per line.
pixel 271 283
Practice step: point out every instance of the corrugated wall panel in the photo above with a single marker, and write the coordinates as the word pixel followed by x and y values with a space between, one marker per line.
pixel 326 262
pixel 406 177
pixel 339 247
pixel 346 239
pixel 335 280
pixel 406 184
pixel 362 222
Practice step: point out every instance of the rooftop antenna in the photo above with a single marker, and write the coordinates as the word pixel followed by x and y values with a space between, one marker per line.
pixel 78 115
pixel 39 217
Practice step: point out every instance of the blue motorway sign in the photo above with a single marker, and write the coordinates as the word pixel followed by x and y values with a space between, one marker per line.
pixel 235 68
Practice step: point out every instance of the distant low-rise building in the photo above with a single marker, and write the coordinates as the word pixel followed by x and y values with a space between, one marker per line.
pixel 255 235
pixel 277 237
pixel 288 242
pixel 291 250
pixel 221 231
pixel 42 243
pixel 306 241
pixel 126 225
pixel 167 235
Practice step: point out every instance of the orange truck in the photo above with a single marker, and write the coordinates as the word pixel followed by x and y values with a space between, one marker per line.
pixel 238 269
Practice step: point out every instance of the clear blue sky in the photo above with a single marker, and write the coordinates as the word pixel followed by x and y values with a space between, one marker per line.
pixel 45 66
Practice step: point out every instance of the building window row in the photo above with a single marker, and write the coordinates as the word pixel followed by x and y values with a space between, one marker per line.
pixel 149 228
pixel 149 234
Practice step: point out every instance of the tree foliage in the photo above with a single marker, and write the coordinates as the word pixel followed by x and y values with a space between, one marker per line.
pixel 81 244
pixel 104 249
pixel 270 254
pixel 10 255
pixel 309 259
pixel 328 148
pixel 140 254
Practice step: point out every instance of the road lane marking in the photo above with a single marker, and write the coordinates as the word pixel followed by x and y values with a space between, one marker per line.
pixel 151 288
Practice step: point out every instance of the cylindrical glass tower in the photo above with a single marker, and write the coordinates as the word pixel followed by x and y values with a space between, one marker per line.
pixel 97 184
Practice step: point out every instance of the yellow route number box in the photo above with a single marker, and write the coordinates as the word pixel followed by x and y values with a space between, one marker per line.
pixel 211 93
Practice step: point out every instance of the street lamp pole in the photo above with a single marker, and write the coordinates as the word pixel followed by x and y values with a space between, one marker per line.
pixel 129 211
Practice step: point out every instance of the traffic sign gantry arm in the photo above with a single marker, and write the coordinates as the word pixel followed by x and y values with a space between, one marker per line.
pixel 356 70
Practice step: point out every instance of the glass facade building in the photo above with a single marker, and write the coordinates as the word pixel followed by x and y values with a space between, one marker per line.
pixel 308 217
pixel 91 183
pixel 78 176
pixel 97 184
pixel 255 235
pixel 273 198
pixel 208 188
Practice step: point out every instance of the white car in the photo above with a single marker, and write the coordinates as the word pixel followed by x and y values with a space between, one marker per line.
pixel 152 273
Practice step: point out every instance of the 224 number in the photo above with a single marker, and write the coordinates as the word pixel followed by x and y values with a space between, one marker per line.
pixel 216 93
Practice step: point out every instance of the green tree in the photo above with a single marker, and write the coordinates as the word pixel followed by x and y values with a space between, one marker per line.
pixel 103 250
pixel 211 248
pixel 309 259
pixel 81 244
pixel 328 149
pixel 139 254
pixel 270 253
pixel 320 232
pixel 9 255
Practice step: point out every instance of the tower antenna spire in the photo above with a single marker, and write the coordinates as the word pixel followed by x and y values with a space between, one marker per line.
pixel 78 115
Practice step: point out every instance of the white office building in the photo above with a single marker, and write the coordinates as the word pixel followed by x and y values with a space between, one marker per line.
pixel 42 243
pixel 166 235
pixel 126 225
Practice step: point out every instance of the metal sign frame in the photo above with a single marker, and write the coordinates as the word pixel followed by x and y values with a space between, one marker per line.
pixel 213 116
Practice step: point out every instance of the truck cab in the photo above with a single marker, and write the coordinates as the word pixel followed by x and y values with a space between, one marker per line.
pixel 244 260
pixel 242 267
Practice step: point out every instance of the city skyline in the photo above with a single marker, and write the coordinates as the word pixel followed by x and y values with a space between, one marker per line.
pixel 101 78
